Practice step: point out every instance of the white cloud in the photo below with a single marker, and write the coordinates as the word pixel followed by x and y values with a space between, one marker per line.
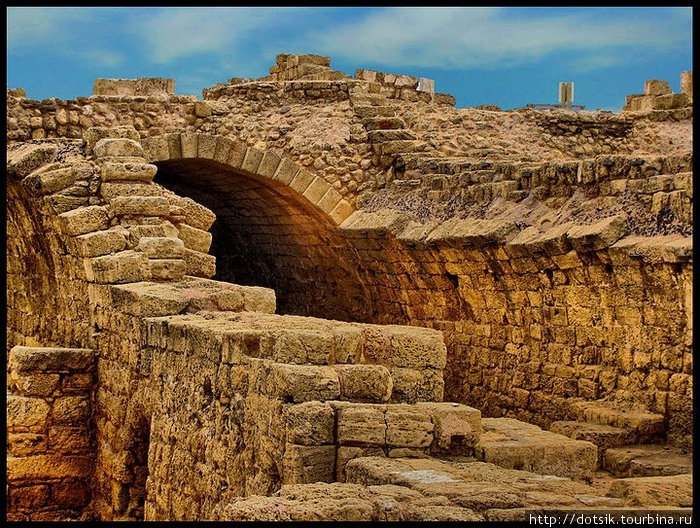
pixel 174 33
pixel 61 31
pixel 492 37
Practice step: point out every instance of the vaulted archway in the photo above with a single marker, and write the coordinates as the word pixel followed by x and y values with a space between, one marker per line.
pixel 276 223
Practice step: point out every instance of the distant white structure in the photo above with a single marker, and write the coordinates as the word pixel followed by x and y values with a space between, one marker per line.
pixel 566 93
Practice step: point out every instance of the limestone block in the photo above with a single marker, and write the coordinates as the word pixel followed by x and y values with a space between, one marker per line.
pixel 303 346
pixel 656 87
pixel 554 240
pixel 310 423
pixel 94 134
pixel 300 383
pixel 457 427
pixel 301 181
pixel 167 269
pixel 194 239
pixel 23 444
pixel 144 172
pixel 597 236
pixel 236 154
pixel 51 359
pixel 414 347
pixel 408 426
pixel 100 243
pixel 364 382
pixel 671 101
pixel 412 385
pixel 71 410
pixel 329 201
pixel 42 467
pixel 206 146
pixel 199 264
pixel 444 99
pixel 361 425
pixel 26 412
pixel 188 144
pixel 124 266
pixel 341 212
pixel 268 164
pixel 647 460
pixel 140 205
pixel 143 86
pixel 118 147
pixel 672 491
pixel 161 247
pixel 84 220
pixel 316 190
pixel 511 443
pixel 687 83
pixel 347 453
pixel 196 215
pixel 34 384
pixel 252 160
pixel 70 439
pixel 305 464
pixel 202 109
pixel 45 181
pixel 27 158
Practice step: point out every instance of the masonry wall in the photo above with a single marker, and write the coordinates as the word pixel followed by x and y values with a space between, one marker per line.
pixel 50 435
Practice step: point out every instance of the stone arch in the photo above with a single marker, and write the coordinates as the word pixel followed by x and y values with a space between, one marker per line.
pixel 276 222
pixel 279 172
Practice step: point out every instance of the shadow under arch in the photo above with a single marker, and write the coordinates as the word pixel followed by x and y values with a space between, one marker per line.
pixel 267 234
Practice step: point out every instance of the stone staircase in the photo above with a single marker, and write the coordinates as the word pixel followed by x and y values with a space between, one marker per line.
pixel 631 443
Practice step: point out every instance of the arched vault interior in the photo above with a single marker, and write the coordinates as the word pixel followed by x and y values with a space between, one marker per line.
pixel 266 235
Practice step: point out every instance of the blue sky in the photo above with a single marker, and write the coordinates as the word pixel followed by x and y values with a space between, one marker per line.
pixel 505 56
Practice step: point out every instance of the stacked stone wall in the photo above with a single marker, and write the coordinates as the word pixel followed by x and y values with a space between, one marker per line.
pixel 50 433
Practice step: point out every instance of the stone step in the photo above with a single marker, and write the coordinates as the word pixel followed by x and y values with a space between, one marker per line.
pixel 374 111
pixel 675 491
pixel 496 492
pixel 647 461
pixel 365 99
pixel 397 146
pixel 648 427
pixel 380 136
pixel 603 436
pixel 383 123
pixel 513 444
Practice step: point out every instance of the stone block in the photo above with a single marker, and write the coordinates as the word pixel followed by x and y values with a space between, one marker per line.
pixel 286 171
pixel 656 87
pixel 71 410
pixel 408 426
pixel 142 172
pixel 687 83
pixel 412 385
pixel 161 247
pixel 70 440
pixel 26 412
pixel 310 423
pixel 252 160
pixel 306 464
pixel 413 347
pixel 84 220
pixel 27 158
pixel 199 264
pixel 364 382
pixel 140 205
pixel 206 146
pixel 668 491
pixel 316 190
pixel 345 454
pixel 300 383
pixel 34 384
pixel 23 444
pixel 361 425
pixel 118 147
pixel 49 359
pixel 42 467
pixel 194 239
pixel 45 181
pixel 301 181
pixel 269 163
pixel 100 243
pixel 598 236
pixel 341 212
pixel 167 269
pixel 121 267
pixel 30 498
pixel 457 427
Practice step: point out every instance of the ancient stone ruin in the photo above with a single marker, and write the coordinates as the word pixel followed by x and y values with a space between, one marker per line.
pixel 317 297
